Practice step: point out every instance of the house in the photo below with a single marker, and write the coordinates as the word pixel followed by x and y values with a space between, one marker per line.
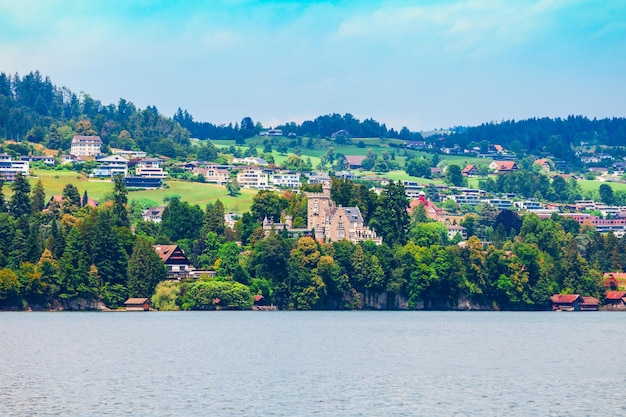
pixel 153 214
pixel 271 132
pixel 616 299
pixel 615 280
pixel 415 144
pixel 150 168
pixel 503 167
pixel 286 179
pixel 332 223
pixel 213 174
pixel 111 166
pixel 137 304
pixel 253 177
pixel 354 161
pixel 46 159
pixel 574 302
pixel 128 154
pixel 10 168
pixel 470 170
pixel 86 145
pixel 454 230
pixel 250 161
pixel 432 211
pixel 56 201
pixel 436 172
pixel 178 266
pixel 543 164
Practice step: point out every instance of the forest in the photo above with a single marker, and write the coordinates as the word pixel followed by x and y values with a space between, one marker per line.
pixel 33 108
pixel 71 255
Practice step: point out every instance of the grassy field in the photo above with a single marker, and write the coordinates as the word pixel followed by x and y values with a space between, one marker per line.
pixel 191 192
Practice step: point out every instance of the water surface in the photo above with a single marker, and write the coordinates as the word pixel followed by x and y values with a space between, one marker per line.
pixel 312 363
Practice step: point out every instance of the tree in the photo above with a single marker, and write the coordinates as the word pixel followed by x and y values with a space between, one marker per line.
pixel 120 214
pixel 213 219
pixel 606 194
pixel 454 175
pixel 39 197
pixel 232 186
pixel 180 220
pixel 418 167
pixel 71 199
pixel 74 267
pixel 145 269
pixel 20 203
pixel 268 204
pixel 391 219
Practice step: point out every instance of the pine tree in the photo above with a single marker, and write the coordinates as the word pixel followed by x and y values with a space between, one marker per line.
pixel 71 199
pixel 20 203
pixel 39 197
pixel 145 269
pixel 73 265
pixel 121 217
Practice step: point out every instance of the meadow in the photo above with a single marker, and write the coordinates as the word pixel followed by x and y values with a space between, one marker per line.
pixel 192 192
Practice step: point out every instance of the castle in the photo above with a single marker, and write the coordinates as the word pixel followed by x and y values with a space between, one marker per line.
pixel 332 223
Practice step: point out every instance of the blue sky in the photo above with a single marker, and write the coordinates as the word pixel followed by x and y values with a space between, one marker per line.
pixel 421 64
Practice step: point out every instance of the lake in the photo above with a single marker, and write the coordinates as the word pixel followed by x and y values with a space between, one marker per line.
pixel 357 363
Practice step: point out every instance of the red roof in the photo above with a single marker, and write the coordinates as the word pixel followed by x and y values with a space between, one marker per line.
pixel 507 166
pixel 615 295
pixel 590 301
pixel 356 160
pixel 564 298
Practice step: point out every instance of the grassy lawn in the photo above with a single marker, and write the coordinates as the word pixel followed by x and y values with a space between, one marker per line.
pixel 191 192
pixel 592 185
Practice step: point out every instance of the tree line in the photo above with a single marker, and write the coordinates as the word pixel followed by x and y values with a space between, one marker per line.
pixel 70 254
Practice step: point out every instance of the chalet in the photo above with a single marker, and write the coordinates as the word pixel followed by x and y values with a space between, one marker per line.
pixel 470 171
pixel 574 302
pixel 354 161
pixel 616 299
pixel 503 167
pixel 86 145
pixel 543 164
pixel 153 214
pixel 137 304
pixel 175 260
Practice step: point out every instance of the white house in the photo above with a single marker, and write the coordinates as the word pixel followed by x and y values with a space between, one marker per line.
pixel 150 168
pixel 111 166
pixel 86 145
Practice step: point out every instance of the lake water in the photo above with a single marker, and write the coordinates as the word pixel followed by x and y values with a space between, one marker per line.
pixel 313 363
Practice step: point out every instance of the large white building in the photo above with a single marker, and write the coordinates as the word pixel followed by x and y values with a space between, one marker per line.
pixel 10 168
pixel 86 145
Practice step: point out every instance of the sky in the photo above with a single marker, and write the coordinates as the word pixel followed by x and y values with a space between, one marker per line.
pixel 421 64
